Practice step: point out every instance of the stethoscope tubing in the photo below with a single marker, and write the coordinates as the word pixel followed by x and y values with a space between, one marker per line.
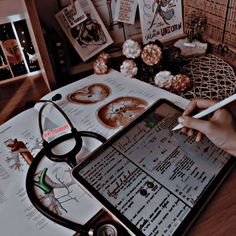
pixel 69 158
pixel 43 209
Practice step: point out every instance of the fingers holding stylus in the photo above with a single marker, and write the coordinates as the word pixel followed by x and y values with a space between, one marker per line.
pixel 219 126
pixel 190 124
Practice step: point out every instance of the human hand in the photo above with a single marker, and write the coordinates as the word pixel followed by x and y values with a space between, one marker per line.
pixel 220 128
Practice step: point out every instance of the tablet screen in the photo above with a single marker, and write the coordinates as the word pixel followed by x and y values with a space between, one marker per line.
pixel 150 177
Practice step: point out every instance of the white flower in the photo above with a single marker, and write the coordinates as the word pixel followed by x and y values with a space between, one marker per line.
pixel 129 68
pixel 100 67
pixel 131 49
pixel 163 79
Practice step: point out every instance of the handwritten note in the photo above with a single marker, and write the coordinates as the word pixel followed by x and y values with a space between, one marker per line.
pixel 152 176
pixel 125 11
pixel 145 202
pixel 74 14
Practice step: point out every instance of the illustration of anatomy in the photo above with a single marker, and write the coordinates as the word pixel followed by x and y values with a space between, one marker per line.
pixel 49 198
pixel 90 94
pixel 164 9
pixel 17 149
pixel 55 192
pixel 37 145
pixel 121 111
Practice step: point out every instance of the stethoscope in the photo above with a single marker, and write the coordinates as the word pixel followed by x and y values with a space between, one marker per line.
pixel 111 228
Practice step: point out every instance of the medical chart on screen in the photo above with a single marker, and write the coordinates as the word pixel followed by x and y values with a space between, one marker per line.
pixel 154 176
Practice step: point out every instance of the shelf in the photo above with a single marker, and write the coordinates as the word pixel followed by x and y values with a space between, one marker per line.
pixel 28 84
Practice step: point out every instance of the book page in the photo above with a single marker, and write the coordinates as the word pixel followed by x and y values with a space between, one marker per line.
pixel 105 104
pixel 20 142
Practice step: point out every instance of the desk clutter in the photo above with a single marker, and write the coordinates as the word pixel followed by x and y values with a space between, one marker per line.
pixel 148 63
pixel 220 30
pixel 106 25
pixel 160 192
pixel 111 23
pixel 128 172
pixel 206 76
pixel 112 26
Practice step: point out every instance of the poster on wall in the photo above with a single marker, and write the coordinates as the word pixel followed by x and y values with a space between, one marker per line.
pixel 89 37
pixel 26 45
pixel 160 19
pixel 119 31
pixel 125 11
pixel 12 50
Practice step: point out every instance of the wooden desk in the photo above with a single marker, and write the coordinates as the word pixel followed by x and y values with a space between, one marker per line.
pixel 214 79
pixel 15 93
pixel 219 216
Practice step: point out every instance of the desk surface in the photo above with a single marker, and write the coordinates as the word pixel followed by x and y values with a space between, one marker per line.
pixel 214 79
pixel 219 216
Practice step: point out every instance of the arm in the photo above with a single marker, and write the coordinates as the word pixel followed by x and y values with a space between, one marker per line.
pixel 220 128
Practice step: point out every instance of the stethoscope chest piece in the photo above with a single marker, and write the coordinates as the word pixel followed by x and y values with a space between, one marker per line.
pixel 109 228
pixel 106 229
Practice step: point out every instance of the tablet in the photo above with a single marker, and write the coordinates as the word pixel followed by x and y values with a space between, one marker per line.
pixel 154 180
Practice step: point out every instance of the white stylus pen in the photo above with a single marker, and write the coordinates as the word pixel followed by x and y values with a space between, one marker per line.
pixel 210 109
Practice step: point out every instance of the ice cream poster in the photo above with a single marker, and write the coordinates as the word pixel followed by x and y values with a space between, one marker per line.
pixel 160 19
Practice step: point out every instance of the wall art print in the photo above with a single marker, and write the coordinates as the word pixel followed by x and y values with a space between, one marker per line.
pixel 160 19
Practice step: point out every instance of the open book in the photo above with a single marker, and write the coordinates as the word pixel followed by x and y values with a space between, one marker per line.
pixel 103 104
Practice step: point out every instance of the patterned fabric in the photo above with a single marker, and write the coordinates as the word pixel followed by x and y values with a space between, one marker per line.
pixel 211 77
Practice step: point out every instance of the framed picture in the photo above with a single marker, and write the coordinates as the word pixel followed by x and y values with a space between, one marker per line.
pixel 89 37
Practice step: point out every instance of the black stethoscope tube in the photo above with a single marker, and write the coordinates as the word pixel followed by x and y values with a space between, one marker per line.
pixel 69 158
pixel 40 207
